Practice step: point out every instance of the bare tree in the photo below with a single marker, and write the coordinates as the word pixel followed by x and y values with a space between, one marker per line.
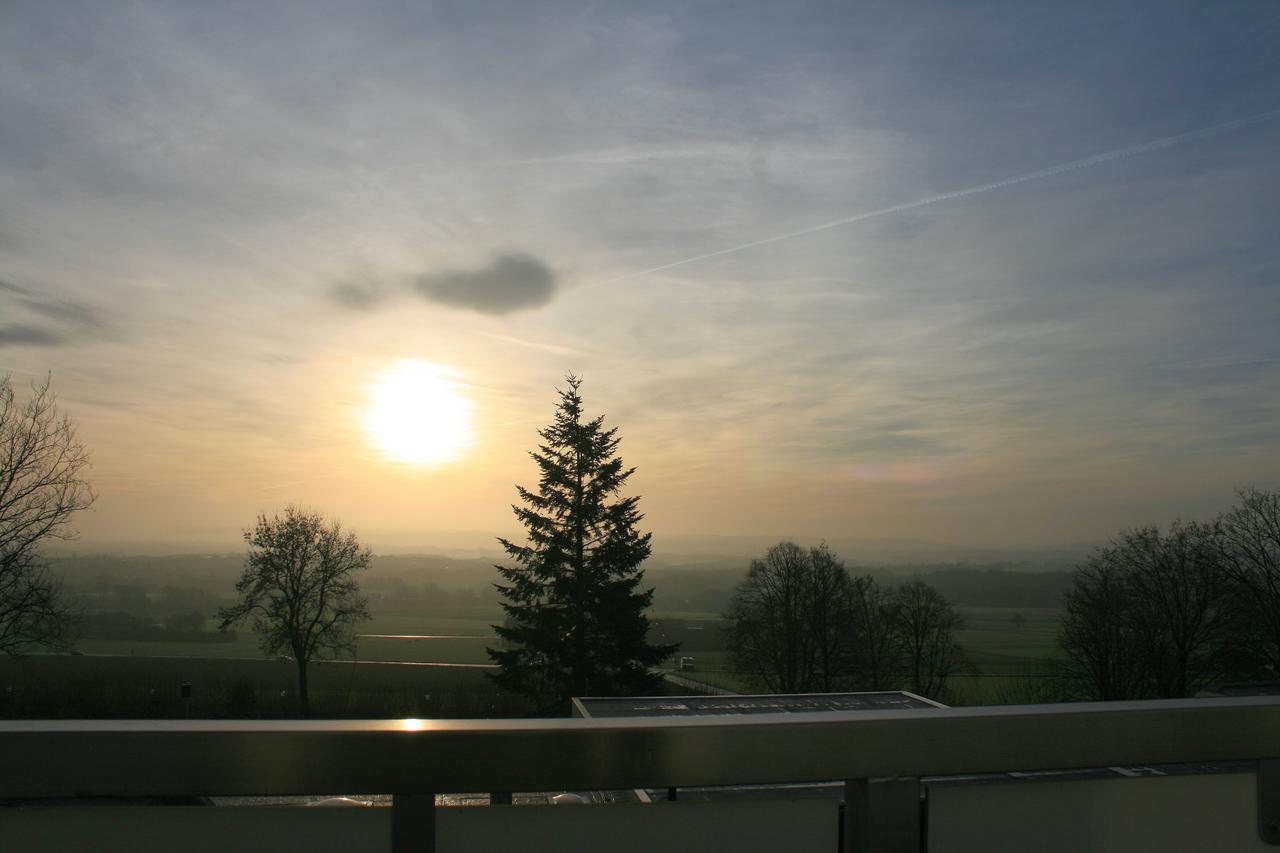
pixel 1100 657
pixel 799 623
pixel 766 618
pixel 1180 607
pixel 789 620
pixel 830 609
pixel 877 652
pixel 928 624
pixel 1151 615
pixel 1249 543
pixel 41 487
pixel 299 585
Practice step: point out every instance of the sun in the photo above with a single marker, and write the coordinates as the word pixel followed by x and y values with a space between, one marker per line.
pixel 417 414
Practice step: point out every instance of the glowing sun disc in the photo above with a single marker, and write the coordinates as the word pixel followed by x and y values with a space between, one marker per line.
pixel 417 414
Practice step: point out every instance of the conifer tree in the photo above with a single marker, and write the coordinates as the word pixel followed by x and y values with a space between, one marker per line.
pixel 576 623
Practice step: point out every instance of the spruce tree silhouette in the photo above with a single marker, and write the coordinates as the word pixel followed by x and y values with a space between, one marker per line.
pixel 576 623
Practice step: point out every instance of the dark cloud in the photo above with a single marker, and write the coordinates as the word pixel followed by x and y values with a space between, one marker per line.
pixel 358 297
pixel 511 282
pixel 17 334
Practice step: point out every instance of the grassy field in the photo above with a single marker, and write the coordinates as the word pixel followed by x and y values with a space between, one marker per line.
pixel 85 686
pixel 1009 640
pixel 456 635
pixel 1009 648
pixel 452 636
pixel 126 678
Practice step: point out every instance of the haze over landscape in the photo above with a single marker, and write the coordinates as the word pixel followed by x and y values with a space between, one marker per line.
pixel 342 255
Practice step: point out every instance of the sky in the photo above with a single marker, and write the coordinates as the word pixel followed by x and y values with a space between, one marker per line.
pixel 816 261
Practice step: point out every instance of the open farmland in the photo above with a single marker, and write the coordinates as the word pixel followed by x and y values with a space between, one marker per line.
pixel 1012 650
pixel 83 686
pixel 435 636
pixel 421 622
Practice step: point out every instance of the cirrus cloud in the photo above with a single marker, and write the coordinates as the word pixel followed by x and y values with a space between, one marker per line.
pixel 48 321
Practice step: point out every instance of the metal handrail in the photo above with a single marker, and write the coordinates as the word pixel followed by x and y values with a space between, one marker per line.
pixel 59 758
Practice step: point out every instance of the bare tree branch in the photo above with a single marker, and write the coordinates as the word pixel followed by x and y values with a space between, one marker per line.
pixel 41 487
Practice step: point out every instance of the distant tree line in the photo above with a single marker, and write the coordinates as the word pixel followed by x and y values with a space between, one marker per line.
pixel 108 595
pixel 429 594
pixel 178 627
pixel 800 622
pixel 1167 613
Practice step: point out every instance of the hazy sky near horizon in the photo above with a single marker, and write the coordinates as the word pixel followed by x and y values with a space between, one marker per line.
pixel 221 222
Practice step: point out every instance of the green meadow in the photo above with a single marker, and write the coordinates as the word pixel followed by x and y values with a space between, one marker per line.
pixel 92 686
pixel 1009 648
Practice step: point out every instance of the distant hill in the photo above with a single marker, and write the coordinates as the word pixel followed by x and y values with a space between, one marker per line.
pixel 691 583
pixel 897 553
pixel 481 549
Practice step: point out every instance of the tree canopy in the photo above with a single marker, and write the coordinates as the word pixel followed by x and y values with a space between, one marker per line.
pixel 790 620
pixel 1248 542
pixel 927 625
pixel 800 623
pixel 299 585
pixel 1150 615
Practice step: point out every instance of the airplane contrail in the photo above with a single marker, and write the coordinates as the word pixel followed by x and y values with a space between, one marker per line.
pixel 1074 165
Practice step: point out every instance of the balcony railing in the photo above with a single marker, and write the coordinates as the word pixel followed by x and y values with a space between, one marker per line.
pixel 881 756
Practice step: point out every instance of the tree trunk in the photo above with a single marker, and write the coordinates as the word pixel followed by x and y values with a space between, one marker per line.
pixel 304 701
pixel 580 582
